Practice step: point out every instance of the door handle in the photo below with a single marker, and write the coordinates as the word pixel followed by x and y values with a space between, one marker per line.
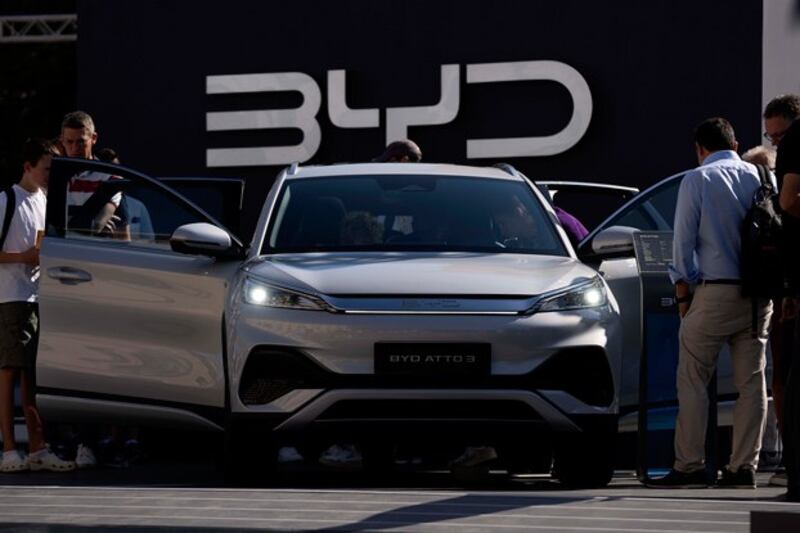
pixel 69 275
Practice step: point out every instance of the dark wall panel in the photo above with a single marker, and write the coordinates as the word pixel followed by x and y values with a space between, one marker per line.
pixel 655 69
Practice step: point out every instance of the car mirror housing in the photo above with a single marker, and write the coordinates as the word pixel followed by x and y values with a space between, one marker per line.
pixel 201 238
pixel 614 241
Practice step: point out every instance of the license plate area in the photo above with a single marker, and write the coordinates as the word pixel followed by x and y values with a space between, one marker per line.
pixel 433 359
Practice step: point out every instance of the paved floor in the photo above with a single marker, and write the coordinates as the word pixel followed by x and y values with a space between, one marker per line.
pixel 192 499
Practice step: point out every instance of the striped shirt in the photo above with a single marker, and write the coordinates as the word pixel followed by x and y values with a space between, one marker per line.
pixel 84 185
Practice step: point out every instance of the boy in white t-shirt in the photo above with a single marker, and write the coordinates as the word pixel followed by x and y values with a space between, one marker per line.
pixel 19 312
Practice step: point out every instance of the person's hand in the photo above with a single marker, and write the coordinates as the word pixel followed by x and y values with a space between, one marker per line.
pixel 105 222
pixel 683 308
pixel 30 256
pixel 788 309
pixel 111 225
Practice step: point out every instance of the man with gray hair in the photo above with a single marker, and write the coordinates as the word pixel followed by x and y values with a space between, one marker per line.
pixel 761 155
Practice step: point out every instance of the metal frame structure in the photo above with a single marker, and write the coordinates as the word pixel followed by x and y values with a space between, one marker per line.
pixel 38 29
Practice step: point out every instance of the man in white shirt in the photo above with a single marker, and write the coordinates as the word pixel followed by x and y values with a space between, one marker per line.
pixel 19 313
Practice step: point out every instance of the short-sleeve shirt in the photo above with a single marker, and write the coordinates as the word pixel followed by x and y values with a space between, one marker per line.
pixel 20 282
pixel 788 162
pixel 85 184
pixel 82 186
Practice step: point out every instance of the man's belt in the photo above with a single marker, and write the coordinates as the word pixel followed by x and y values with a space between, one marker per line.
pixel 721 282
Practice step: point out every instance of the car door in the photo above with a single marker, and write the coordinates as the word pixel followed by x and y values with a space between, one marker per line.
pixel 130 328
pixel 651 210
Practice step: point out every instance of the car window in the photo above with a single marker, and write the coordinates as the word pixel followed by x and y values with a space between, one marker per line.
pixel 653 210
pixel 105 205
pixel 590 205
pixel 665 200
pixel 219 197
pixel 415 212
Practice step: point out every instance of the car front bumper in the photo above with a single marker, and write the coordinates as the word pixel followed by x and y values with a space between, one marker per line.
pixel 305 370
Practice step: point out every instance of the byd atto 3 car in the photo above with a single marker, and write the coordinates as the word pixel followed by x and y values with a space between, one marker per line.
pixel 377 301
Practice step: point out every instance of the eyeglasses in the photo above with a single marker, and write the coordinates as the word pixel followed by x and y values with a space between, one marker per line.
pixel 775 138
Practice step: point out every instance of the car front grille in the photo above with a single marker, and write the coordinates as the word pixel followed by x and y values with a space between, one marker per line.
pixel 271 372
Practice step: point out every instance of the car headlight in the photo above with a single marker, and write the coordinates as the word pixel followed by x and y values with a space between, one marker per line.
pixel 259 293
pixel 583 296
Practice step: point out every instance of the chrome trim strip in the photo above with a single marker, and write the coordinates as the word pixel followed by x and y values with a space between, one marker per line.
pixel 588 185
pixel 478 313
pixel 308 414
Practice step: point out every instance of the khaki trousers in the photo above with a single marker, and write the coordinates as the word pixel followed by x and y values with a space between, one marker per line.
pixel 718 315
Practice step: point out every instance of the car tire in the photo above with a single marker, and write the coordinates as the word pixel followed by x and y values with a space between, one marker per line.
pixel 585 460
pixel 250 457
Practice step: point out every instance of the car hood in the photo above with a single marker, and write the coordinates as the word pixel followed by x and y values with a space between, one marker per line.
pixel 407 273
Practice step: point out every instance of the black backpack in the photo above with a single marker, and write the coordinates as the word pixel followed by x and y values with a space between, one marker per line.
pixel 11 207
pixel 762 263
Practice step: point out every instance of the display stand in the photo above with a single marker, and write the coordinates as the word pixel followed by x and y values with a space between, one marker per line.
pixel 660 323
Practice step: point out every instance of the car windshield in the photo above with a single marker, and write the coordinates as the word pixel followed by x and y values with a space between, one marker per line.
pixel 410 213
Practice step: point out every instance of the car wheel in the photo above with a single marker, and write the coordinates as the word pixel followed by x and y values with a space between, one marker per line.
pixel 585 460
pixel 250 456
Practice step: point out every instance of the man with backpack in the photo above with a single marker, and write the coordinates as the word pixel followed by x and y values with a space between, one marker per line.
pixel 22 212
pixel 782 125
pixel 712 203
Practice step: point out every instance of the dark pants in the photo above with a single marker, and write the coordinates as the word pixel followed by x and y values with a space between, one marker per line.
pixel 791 414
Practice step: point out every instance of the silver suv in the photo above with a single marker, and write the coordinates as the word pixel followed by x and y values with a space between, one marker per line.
pixel 378 301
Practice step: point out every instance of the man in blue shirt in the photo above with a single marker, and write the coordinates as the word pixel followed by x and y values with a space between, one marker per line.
pixel 712 202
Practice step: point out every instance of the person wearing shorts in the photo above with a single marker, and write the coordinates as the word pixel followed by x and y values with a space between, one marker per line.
pixel 19 313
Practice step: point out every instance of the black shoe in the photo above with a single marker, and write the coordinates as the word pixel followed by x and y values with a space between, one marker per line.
pixel 744 478
pixel 680 480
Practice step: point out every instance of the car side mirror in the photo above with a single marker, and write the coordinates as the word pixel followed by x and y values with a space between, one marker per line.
pixel 201 238
pixel 616 241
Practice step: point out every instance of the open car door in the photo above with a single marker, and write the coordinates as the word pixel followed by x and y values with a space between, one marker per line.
pixel 651 210
pixel 132 330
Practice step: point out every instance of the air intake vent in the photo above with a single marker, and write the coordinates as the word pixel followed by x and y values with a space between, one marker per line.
pixel 272 373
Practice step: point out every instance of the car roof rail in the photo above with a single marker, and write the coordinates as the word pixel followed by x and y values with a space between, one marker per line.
pixel 507 168
pixel 293 168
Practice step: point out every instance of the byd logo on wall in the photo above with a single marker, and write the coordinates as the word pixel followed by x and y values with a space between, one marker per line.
pixel 398 119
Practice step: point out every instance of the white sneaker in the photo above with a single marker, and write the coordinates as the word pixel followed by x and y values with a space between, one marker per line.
pixel 289 454
pixel 13 462
pixel 341 456
pixel 474 456
pixel 84 458
pixel 47 460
